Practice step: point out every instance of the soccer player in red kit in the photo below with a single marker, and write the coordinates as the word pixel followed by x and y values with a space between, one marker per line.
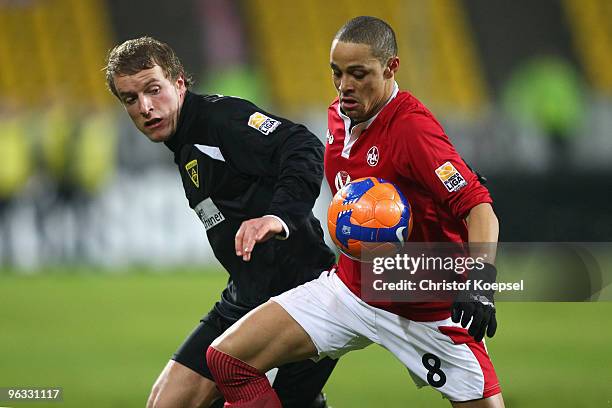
pixel 376 130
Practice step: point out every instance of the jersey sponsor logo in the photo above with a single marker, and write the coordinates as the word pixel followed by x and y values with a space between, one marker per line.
pixel 372 156
pixel 192 170
pixel 342 179
pixel 450 177
pixel 209 213
pixel 329 137
pixel 263 123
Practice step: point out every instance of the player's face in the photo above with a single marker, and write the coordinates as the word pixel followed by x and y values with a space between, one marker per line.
pixel 152 101
pixel 362 82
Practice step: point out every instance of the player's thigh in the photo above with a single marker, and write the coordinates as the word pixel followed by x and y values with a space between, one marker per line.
pixel 298 384
pixel 319 318
pixel 440 354
pixel 265 338
pixel 334 318
pixel 179 386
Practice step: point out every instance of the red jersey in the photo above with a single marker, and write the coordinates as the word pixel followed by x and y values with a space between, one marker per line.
pixel 405 144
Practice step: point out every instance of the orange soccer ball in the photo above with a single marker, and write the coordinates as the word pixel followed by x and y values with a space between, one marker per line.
pixel 369 217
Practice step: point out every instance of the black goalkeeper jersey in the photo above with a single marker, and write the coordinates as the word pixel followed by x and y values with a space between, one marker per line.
pixel 239 162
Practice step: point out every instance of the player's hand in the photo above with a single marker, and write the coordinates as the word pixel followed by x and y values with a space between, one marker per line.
pixel 477 305
pixel 254 231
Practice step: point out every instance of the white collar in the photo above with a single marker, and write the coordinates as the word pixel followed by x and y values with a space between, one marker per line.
pixel 351 134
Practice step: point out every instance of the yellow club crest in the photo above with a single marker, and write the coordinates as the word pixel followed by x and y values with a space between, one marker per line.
pixel 192 170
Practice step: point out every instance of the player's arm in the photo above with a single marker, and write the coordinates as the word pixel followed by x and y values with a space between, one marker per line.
pixel 431 160
pixel 477 307
pixel 300 172
pixel 299 158
pixel 271 146
pixel 483 231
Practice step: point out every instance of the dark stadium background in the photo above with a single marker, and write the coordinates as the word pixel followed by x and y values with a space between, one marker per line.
pixel 98 285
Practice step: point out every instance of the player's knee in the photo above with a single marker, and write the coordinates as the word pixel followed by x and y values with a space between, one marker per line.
pixel 214 359
pixel 160 399
pixel 217 343
pixel 237 380
pixel 174 397
pixel 156 400
pixel 153 395
pixel 170 392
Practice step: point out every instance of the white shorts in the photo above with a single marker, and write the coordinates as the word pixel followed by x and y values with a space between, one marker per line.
pixel 440 353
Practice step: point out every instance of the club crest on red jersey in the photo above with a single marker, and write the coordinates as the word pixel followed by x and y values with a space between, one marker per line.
pixel 342 179
pixel 372 156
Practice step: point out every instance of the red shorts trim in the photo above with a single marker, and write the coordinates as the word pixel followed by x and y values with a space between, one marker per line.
pixel 460 335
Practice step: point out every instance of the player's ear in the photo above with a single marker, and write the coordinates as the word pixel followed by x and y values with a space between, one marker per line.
pixel 180 82
pixel 181 85
pixel 392 67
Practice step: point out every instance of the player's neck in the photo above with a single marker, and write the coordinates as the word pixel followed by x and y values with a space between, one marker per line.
pixel 380 105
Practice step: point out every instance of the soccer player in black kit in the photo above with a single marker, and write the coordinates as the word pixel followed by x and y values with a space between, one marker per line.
pixel 252 178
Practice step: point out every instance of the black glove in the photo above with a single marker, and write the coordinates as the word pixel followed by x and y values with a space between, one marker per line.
pixel 477 305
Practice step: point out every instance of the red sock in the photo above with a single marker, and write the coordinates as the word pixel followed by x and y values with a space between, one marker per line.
pixel 241 385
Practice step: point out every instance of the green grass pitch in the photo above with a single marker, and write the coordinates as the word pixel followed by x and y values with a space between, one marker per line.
pixel 105 337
